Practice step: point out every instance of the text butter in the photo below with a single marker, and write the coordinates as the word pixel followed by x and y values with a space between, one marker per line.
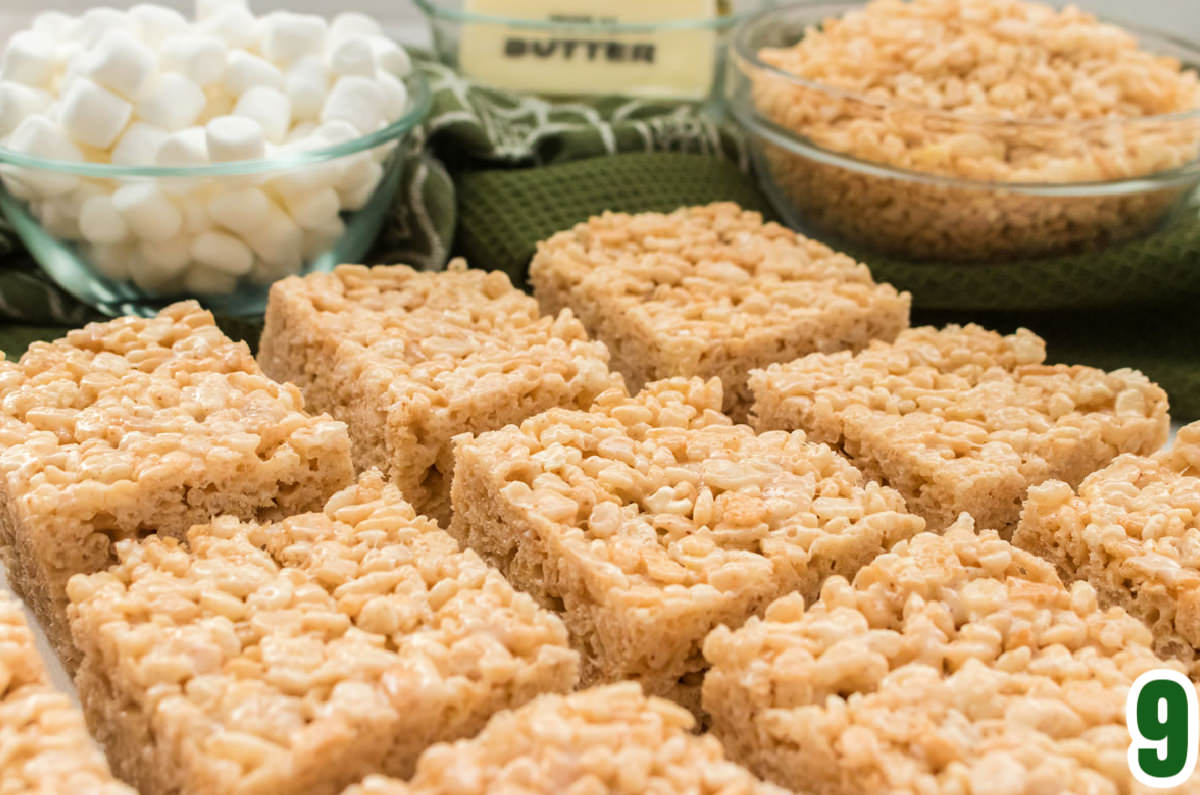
pixel 574 60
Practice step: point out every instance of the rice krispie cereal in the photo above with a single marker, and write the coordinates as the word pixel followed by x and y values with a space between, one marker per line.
pixel 981 90
pixel 955 664
pixel 605 741
pixel 963 419
pixel 44 747
pixel 712 292
pixel 1133 532
pixel 301 656
pixel 139 426
pixel 409 359
pixel 646 522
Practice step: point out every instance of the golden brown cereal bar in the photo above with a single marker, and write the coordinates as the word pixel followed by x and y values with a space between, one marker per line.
pixel 300 656
pixel 646 522
pixel 957 663
pixel 605 741
pixel 963 419
pixel 712 292
pixel 1133 533
pixel 409 359
pixel 139 426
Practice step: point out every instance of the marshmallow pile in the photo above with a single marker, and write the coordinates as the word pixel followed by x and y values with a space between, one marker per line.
pixel 148 87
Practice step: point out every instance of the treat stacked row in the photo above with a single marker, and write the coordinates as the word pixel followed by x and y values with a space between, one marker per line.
pixel 148 87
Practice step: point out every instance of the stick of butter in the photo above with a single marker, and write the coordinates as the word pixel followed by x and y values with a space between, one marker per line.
pixel 670 63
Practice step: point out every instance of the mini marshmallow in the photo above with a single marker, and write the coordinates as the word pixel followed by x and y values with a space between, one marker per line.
pixel 183 148
pixel 138 145
pixel 395 95
pixel 157 22
pixel 203 9
pixel 244 71
pixel 149 212
pixel 111 260
pixel 233 24
pixel 269 107
pixel 38 136
pixel 121 63
pixel 53 24
pixel 173 102
pixel 314 209
pixel 300 133
pixel 391 57
pixel 99 221
pixel 17 101
pixel 336 131
pixel 57 216
pixel 318 241
pixel 93 115
pixel 209 281
pixel 353 56
pixel 150 277
pixel 96 22
pixel 307 84
pixel 288 37
pixel 277 240
pixel 352 23
pixel 357 100
pixel 240 210
pixel 220 102
pixel 28 58
pixel 170 256
pixel 222 252
pixel 355 194
pixel 231 138
pixel 195 56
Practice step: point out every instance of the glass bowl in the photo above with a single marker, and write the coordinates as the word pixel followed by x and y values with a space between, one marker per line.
pixel 839 184
pixel 260 207
pixel 659 50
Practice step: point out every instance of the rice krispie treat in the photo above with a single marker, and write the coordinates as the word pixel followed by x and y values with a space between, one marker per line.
pixel 409 359
pixel 646 522
pixel 963 419
pixel 44 747
pixel 1133 532
pixel 712 292
pixel 300 656
pixel 139 426
pixel 957 663
pixel 605 741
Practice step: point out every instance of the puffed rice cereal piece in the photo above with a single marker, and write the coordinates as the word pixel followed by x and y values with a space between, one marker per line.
pixel 646 522
pixel 963 419
pixel 956 664
pixel 604 741
pixel 712 292
pixel 137 426
pixel 44 747
pixel 409 359
pixel 1132 531
pixel 299 657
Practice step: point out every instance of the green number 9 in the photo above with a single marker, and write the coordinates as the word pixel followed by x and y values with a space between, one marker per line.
pixel 1161 714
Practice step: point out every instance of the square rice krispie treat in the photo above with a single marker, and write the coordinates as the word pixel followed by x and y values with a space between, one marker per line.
pixel 44 747
pixel 646 522
pixel 963 419
pixel 1133 532
pixel 955 664
pixel 711 292
pixel 300 656
pixel 139 426
pixel 608 740
pixel 409 359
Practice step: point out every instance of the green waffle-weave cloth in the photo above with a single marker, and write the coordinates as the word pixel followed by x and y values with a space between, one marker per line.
pixel 492 173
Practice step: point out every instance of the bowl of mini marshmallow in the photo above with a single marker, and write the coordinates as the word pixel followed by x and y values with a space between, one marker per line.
pixel 146 157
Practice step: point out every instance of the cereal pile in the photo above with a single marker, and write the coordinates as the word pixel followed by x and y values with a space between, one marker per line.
pixel 647 522
pixel 954 664
pixel 991 90
pixel 1133 533
pixel 409 359
pixel 710 292
pixel 300 656
pixel 963 419
pixel 137 426
pixel 604 740
pixel 147 87
pixel 44 748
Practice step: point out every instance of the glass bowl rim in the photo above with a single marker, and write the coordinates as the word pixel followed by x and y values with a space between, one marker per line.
pixel 436 10
pixel 742 48
pixel 420 99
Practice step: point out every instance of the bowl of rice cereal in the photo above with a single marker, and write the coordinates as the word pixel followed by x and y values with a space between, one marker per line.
pixel 967 130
